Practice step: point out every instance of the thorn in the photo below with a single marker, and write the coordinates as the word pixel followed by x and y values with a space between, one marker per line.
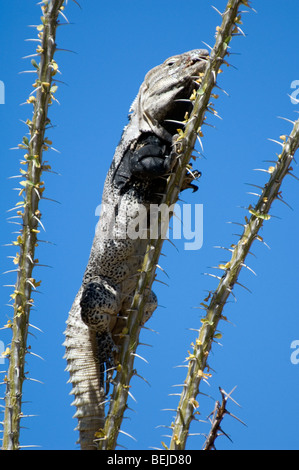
pixel 184 100
pixel 181 123
pixel 48 199
pixel 158 266
pixel 36 355
pixel 221 89
pixel 255 186
pixel 31 55
pixel 54 149
pixel 241 31
pixel 209 47
pixel 293 99
pixel 291 174
pixel 33 40
pixel 281 200
pixel 200 142
pixel 133 398
pixel 213 127
pixel 34 380
pixel 236 34
pixel 78 4
pixel 236 223
pixel 103 402
pixel 214 8
pixel 239 284
pixel 261 240
pixel 214 112
pixel 46 241
pixel 29 445
pixel 11 271
pixel 35 327
pixel 31 284
pixel 15 223
pixel 229 65
pixel 161 282
pixel 276 141
pixel 150 329
pixel 253 194
pixel 212 275
pixel 14 217
pixel 39 221
pixel 65 50
pixel 140 357
pixel 285 119
pixel 27 71
pixel 140 376
pixel 200 154
pixel 235 417
pixel 245 266
pixel 271 161
pixel 111 368
pixel 228 395
pixel 14 208
pixel 214 76
pixel 28 416
pixel 145 344
pixel 37 193
pixel 261 169
pixel 195 83
pixel 65 24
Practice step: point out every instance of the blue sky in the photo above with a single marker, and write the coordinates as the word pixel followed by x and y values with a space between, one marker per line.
pixel 115 44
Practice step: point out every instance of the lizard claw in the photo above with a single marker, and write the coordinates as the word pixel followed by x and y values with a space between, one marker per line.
pixel 106 350
pixel 189 178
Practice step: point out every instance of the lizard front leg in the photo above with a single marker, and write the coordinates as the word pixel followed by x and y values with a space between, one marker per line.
pixel 151 158
pixel 100 303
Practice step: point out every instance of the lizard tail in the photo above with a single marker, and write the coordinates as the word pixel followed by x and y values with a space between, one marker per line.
pixel 80 345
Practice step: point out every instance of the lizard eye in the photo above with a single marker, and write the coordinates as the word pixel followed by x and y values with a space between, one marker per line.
pixel 170 62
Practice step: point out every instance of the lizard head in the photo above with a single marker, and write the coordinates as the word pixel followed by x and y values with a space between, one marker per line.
pixel 160 96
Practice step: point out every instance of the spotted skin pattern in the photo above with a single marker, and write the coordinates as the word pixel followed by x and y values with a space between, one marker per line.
pixel 137 176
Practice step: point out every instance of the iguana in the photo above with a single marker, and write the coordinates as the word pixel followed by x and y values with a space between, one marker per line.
pixel 137 176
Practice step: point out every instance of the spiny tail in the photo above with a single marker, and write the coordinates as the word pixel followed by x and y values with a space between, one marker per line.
pixel 81 345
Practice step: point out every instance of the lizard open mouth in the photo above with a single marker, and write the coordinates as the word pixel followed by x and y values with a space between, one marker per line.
pixel 177 110
pixel 202 57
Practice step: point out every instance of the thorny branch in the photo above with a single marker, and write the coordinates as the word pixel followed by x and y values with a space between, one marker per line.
pixel 218 414
pixel 208 332
pixel 31 190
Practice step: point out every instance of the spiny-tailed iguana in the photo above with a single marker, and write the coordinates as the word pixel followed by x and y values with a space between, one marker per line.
pixel 137 176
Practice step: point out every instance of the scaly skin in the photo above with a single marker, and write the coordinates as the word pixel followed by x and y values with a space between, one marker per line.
pixel 137 176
